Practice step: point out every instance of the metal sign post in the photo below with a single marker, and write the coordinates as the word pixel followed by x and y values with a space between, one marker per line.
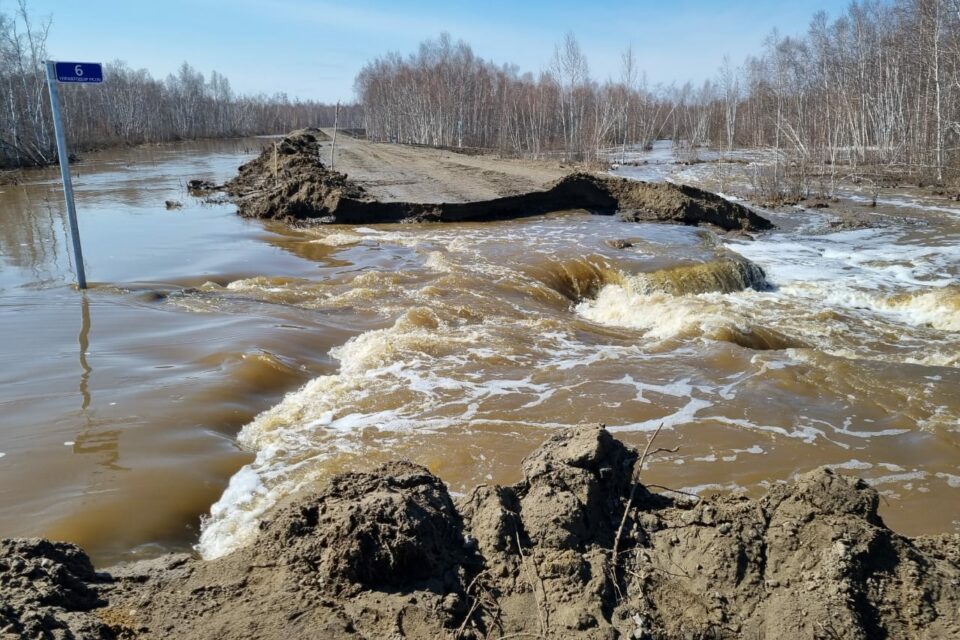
pixel 74 72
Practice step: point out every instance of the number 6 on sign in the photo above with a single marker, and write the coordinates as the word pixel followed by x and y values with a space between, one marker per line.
pixel 85 72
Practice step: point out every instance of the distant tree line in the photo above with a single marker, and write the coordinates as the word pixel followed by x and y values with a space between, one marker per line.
pixel 874 92
pixel 877 89
pixel 444 95
pixel 131 107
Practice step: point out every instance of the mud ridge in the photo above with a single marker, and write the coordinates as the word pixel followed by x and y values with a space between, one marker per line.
pixel 390 554
pixel 290 183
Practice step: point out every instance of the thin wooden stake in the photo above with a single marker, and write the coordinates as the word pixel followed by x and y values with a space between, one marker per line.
pixel 333 146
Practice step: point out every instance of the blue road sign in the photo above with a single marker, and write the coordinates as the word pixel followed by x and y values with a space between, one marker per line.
pixel 79 72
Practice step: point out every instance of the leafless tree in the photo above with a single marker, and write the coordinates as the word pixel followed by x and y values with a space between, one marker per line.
pixel 871 95
pixel 130 107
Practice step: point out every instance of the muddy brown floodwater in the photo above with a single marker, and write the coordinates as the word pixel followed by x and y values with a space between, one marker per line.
pixel 218 364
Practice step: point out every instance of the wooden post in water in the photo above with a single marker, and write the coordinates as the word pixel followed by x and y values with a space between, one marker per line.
pixel 333 146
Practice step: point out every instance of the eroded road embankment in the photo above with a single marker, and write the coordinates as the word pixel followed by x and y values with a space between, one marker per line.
pixel 289 182
pixel 390 553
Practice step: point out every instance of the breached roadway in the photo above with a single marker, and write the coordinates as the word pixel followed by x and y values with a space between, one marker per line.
pixel 289 182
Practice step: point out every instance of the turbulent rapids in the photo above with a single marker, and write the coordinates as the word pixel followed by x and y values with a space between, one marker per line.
pixel 491 336
pixel 582 278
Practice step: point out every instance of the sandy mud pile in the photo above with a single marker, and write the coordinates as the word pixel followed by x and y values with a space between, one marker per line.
pixel 390 554
pixel 49 590
pixel 290 183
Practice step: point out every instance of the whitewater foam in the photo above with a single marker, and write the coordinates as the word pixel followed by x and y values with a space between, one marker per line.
pixel 951 480
pixel 870 280
pixel 475 342
pixel 339 239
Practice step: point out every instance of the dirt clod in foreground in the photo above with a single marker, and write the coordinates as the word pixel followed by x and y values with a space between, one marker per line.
pixel 289 182
pixel 397 528
pixel 387 554
pixel 48 590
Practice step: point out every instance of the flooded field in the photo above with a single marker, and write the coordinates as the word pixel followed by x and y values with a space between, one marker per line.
pixel 218 364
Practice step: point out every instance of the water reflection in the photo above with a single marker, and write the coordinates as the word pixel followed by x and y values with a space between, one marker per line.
pixel 32 230
pixel 104 442
pixel 92 439
pixel 84 340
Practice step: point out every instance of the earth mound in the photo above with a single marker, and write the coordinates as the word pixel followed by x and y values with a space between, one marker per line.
pixel 394 528
pixel 577 549
pixel 49 590
pixel 289 182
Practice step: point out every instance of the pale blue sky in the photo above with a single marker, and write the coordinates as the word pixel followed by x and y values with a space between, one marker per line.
pixel 313 49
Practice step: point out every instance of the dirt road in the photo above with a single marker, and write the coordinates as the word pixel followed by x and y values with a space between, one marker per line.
pixel 394 172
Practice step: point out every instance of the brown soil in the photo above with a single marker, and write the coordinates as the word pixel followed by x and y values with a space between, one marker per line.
pixel 289 182
pixel 11 178
pixel 388 554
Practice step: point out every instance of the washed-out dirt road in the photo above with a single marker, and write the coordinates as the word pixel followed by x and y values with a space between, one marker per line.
pixel 374 183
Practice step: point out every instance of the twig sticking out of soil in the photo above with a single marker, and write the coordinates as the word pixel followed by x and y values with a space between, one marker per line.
pixel 678 491
pixel 638 469
pixel 543 614
pixel 473 607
